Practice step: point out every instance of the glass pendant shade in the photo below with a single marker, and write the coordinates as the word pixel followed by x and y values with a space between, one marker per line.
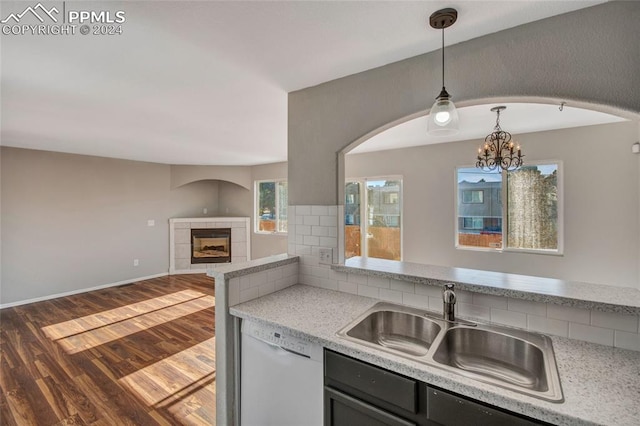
pixel 443 118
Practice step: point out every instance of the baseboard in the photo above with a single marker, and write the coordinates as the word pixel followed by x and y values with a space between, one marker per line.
pixel 84 290
pixel 187 271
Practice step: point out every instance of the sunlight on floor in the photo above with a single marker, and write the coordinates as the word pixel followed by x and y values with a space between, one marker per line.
pixel 174 382
pixel 160 382
pixel 93 330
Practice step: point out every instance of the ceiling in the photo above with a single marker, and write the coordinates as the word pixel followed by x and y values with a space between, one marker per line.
pixel 479 121
pixel 207 82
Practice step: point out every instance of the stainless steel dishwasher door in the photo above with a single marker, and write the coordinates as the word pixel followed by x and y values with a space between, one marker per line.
pixel 281 379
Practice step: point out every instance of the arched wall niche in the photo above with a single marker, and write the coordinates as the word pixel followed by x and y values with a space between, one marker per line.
pixel 185 174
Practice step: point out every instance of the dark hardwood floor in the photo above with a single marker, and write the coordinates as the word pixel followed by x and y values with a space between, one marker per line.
pixel 138 354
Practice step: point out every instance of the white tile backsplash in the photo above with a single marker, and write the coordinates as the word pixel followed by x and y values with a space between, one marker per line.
pixel 365 290
pixel 348 287
pixel 603 336
pixel 245 282
pixel 319 210
pixel 249 294
pixel 474 311
pixel 510 318
pixel 548 325
pixel 429 290
pixel 311 220
pixel 357 278
pixel 463 296
pixel 499 302
pixel 390 295
pixel 321 222
pixel 615 321
pixel 415 300
pixel 380 282
pixel 320 231
pixel 435 304
pixel 252 286
pixel 402 286
pixel 267 288
pixel 234 291
pixel 527 307
pixel 625 340
pixel 568 313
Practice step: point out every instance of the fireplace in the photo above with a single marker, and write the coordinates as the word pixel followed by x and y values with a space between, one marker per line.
pixel 212 245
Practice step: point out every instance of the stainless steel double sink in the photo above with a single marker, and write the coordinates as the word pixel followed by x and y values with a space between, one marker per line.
pixel 513 359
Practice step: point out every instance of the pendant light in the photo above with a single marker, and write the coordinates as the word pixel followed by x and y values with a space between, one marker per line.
pixel 443 118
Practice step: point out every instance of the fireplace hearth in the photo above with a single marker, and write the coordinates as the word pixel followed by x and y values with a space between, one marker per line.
pixel 211 245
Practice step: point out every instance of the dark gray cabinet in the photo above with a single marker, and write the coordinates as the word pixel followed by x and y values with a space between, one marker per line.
pixel 361 394
pixel 342 409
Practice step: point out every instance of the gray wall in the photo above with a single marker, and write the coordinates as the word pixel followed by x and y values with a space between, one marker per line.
pixel 601 196
pixel 72 222
pixel 589 58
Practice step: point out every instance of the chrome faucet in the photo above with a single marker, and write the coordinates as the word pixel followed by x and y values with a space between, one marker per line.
pixel 449 299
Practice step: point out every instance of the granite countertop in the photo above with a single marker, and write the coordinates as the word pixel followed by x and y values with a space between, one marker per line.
pixel 605 298
pixel 601 384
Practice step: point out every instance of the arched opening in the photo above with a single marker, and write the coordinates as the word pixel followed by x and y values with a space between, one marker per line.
pixel 427 169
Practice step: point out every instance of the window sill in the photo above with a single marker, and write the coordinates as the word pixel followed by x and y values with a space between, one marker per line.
pixel 511 250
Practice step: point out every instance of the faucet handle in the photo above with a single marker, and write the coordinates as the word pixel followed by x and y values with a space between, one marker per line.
pixel 448 293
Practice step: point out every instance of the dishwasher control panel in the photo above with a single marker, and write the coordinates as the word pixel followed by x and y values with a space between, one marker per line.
pixel 279 338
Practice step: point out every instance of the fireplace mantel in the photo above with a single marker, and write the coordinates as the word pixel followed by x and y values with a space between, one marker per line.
pixel 180 242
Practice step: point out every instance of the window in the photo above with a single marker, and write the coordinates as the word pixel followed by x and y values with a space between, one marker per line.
pixel 531 214
pixel 471 196
pixel 472 222
pixel 271 206
pixel 390 197
pixel 373 212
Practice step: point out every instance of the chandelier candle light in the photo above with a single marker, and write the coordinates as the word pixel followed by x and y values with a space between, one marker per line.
pixel 498 150
pixel 443 118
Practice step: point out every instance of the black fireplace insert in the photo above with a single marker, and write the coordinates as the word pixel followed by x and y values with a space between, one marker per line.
pixel 211 245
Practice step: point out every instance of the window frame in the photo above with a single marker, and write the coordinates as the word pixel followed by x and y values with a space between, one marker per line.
pixel 471 192
pixel 505 220
pixel 363 200
pixel 256 207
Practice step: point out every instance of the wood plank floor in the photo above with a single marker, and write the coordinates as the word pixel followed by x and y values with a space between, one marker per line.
pixel 138 354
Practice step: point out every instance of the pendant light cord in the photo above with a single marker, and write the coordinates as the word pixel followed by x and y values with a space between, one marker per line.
pixel 443 58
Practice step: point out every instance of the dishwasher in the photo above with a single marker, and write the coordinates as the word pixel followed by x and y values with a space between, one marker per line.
pixel 281 378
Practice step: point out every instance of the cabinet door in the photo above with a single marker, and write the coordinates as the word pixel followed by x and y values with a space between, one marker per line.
pixel 391 391
pixel 450 410
pixel 343 410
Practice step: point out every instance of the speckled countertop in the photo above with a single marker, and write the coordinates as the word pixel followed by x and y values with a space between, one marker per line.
pixel 599 297
pixel 601 384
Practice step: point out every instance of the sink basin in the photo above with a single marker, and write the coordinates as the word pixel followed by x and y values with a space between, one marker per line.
pixel 511 358
pixel 404 332
pixel 398 329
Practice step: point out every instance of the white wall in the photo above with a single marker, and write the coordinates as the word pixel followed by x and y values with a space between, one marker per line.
pixel 601 198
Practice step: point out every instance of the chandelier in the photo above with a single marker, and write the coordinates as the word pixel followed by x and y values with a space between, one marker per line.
pixel 498 150
pixel 443 117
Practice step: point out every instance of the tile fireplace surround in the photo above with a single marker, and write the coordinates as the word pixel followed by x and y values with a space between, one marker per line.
pixel 180 242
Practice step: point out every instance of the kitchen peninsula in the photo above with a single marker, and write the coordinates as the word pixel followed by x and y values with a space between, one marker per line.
pixel 601 384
